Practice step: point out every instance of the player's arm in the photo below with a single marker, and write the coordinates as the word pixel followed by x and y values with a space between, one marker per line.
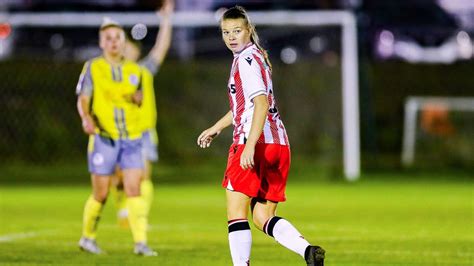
pixel 84 94
pixel 253 86
pixel 258 121
pixel 137 97
pixel 204 140
pixel 163 39
pixel 83 107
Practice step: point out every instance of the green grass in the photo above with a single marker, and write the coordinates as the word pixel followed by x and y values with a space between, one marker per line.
pixel 367 223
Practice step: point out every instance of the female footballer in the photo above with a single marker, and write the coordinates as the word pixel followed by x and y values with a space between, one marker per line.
pixel 259 158
pixel 109 95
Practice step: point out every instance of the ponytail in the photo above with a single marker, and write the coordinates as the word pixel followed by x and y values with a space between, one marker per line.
pixel 239 12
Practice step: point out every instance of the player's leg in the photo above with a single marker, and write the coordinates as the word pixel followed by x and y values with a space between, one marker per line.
pixel 274 172
pixel 240 186
pixel 265 219
pixel 131 164
pixel 94 205
pixel 102 154
pixel 92 211
pixel 146 186
pixel 240 237
pixel 137 211
pixel 120 199
pixel 150 153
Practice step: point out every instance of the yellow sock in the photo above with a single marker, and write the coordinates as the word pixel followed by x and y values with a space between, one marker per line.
pixel 91 217
pixel 146 190
pixel 137 218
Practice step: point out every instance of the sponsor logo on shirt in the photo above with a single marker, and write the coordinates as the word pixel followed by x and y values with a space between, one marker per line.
pixel 249 60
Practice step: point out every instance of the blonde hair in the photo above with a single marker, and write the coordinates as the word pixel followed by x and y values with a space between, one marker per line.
pixel 237 12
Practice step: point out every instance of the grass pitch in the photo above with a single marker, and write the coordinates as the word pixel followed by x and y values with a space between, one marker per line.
pixel 367 223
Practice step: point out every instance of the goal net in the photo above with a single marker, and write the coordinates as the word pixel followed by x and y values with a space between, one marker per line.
pixel 438 130
pixel 314 54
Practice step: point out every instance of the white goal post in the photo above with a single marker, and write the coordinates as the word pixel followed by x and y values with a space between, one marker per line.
pixel 415 104
pixel 346 20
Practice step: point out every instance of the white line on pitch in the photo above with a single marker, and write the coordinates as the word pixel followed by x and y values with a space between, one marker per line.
pixel 22 235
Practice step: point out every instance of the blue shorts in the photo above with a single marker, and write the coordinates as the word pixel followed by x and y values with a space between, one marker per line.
pixel 105 153
pixel 150 145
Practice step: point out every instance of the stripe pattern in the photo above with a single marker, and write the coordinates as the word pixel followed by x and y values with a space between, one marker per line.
pixel 119 118
pixel 270 224
pixel 250 76
pixel 238 225
pixel 116 73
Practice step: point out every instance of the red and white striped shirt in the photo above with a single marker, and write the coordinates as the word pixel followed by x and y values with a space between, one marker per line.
pixel 250 76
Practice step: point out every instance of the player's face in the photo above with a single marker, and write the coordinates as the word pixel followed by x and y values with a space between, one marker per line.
pixel 112 41
pixel 131 52
pixel 235 33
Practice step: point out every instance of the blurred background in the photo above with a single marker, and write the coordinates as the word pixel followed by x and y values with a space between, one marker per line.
pixel 406 48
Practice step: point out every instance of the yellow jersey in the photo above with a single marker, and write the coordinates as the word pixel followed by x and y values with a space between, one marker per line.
pixel 110 88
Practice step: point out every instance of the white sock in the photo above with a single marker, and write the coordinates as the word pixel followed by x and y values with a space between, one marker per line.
pixel 286 234
pixel 240 242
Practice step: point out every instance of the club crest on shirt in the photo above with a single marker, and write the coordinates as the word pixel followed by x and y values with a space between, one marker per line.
pixel 133 79
pixel 249 60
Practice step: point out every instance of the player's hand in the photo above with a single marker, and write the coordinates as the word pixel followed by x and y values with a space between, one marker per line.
pixel 88 125
pixel 137 97
pixel 204 140
pixel 246 158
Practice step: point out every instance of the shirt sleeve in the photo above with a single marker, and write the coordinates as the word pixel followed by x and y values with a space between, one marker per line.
pixel 149 63
pixel 85 85
pixel 251 75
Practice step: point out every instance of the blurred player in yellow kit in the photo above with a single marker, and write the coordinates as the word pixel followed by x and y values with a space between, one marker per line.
pixel 110 94
pixel 150 65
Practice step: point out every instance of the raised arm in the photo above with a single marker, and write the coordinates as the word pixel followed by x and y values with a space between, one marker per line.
pixel 204 140
pixel 163 39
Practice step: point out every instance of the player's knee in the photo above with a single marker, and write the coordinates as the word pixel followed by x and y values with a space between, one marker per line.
pixel 133 193
pixel 101 196
pixel 233 214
